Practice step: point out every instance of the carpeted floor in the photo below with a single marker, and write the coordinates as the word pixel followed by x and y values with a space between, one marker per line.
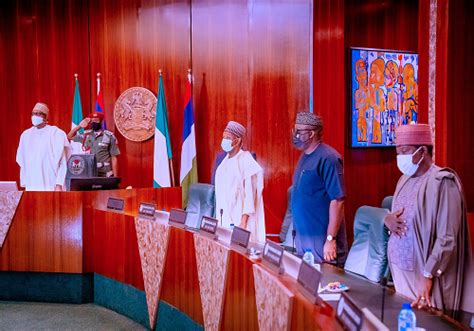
pixel 52 316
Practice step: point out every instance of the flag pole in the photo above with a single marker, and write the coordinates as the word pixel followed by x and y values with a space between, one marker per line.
pixel 170 161
pixel 98 83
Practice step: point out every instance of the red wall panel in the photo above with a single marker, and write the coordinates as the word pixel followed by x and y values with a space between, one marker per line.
pixel 459 95
pixel 43 43
pixel 251 63
pixel 130 42
pixel 372 174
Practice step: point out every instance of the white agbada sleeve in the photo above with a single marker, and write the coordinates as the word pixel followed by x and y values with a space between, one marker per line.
pixel 20 159
pixel 61 152
pixel 253 196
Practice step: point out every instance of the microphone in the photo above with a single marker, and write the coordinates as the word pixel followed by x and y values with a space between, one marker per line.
pixel 293 234
pixel 221 212
pixel 383 282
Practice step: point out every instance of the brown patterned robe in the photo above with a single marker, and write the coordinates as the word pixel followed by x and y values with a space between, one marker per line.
pixel 441 238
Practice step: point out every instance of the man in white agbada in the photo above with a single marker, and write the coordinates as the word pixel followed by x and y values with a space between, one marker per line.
pixel 42 154
pixel 239 185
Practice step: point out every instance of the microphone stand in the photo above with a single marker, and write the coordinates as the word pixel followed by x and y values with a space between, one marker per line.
pixel 293 234
pixel 383 282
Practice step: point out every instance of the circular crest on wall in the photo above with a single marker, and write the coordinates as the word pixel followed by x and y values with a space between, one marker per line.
pixel 134 114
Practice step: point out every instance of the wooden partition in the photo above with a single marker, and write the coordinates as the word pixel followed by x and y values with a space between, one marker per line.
pixel 45 234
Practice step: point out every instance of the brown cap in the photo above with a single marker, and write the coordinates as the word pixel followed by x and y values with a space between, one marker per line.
pixel 42 107
pixel 307 118
pixel 236 129
pixel 414 134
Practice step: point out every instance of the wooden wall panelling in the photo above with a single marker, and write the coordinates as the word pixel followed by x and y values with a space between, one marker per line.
pixel 280 42
pixel 112 250
pixel 251 63
pixel 130 42
pixel 164 198
pixel 371 174
pixel 46 234
pixel 180 287
pixel 110 241
pixel 460 96
pixel 239 297
pixel 43 45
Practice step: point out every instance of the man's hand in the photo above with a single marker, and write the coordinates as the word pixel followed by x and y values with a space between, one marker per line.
pixel 58 187
pixel 85 122
pixel 243 221
pixel 329 250
pixel 423 299
pixel 395 223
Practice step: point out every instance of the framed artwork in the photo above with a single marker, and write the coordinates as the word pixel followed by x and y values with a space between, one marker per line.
pixel 384 95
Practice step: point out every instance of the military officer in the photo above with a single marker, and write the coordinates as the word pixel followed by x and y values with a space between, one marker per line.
pixel 98 141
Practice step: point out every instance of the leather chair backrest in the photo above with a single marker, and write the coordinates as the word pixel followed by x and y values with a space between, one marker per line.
pixel 387 202
pixel 368 254
pixel 200 203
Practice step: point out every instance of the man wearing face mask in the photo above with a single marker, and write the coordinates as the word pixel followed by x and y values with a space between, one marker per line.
pixel 318 194
pixel 42 154
pixel 428 249
pixel 100 142
pixel 239 185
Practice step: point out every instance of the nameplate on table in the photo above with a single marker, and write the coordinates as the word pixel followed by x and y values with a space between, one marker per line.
pixel 147 210
pixel 208 227
pixel 178 218
pixel 349 314
pixel 308 281
pixel 239 239
pixel 273 256
pixel 115 204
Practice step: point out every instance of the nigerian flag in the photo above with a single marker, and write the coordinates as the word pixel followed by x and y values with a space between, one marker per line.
pixel 77 108
pixel 162 151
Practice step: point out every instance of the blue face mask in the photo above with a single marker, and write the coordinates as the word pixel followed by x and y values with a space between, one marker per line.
pixel 226 145
pixel 298 142
pixel 36 120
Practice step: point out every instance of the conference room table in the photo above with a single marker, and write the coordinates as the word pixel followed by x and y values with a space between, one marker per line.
pixel 68 247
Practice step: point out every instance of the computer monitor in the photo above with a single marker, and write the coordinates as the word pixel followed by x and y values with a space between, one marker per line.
pixel 8 186
pixel 95 183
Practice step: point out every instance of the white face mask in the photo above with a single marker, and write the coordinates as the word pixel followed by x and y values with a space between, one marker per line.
pixel 405 164
pixel 36 120
pixel 226 145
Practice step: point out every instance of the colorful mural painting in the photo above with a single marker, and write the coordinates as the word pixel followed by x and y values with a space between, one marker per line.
pixel 384 95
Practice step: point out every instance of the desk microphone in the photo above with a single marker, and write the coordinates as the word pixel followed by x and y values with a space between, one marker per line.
pixel 221 212
pixel 293 234
pixel 383 282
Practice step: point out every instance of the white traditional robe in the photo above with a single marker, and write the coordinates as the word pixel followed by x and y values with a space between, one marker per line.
pixel 42 156
pixel 239 186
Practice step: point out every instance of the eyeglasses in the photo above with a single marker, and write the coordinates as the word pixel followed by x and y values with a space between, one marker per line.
pixel 298 133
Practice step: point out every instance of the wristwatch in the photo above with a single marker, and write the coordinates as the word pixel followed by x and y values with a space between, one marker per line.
pixel 329 238
pixel 426 274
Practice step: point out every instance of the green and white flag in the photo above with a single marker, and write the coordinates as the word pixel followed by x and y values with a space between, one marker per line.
pixel 77 117
pixel 162 152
